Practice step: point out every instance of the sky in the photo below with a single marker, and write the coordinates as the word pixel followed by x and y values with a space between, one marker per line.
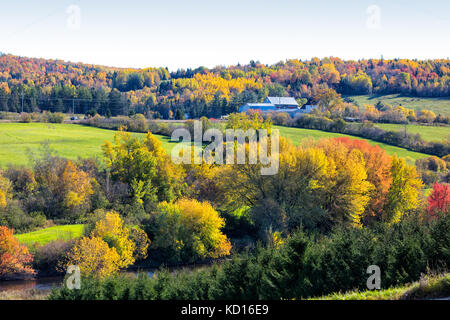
pixel 192 33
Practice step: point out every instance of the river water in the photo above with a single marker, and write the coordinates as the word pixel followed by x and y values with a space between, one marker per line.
pixel 46 283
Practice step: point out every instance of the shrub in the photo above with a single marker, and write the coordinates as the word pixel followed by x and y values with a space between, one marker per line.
pixel 94 257
pixel 14 258
pixel 187 231
pixel 138 123
pixel 14 217
pixel 25 117
pixel 56 117
pixel 50 258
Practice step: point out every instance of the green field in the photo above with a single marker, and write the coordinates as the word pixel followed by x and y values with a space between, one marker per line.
pixel 73 141
pixel 68 140
pixel 44 236
pixel 428 133
pixel 437 105
pixel 296 135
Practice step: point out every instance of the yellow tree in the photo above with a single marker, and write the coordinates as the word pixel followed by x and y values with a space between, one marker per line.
pixel 144 166
pixel 77 184
pixel 202 218
pixel 403 194
pixel 94 257
pixel 5 191
pixel 189 230
pixel 116 235
pixel 348 191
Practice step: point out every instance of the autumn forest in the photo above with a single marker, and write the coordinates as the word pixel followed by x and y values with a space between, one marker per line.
pixel 59 86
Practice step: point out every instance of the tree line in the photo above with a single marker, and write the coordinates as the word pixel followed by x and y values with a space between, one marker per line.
pixel 59 86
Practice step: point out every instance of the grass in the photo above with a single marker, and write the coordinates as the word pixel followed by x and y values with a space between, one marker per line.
pixel 28 294
pixel 433 287
pixel 69 140
pixel 428 133
pixel 73 141
pixel 437 105
pixel 44 236
pixel 296 135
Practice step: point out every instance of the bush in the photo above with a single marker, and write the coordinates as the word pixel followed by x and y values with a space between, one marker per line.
pixel 50 258
pixel 56 117
pixel 138 123
pixel 14 217
pixel 25 117
pixel 186 231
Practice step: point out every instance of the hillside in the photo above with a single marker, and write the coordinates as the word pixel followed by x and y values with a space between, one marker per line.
pixel 73 141
pixel 439 105
pixel 428 133
pixel 56 85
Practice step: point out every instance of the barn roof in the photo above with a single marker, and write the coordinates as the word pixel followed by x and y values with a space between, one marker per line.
pixel 282 101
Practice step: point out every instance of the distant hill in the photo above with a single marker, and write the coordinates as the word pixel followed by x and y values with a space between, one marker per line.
pixel 55 85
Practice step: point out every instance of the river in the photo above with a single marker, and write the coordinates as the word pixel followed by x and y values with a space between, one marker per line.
pixel 46 283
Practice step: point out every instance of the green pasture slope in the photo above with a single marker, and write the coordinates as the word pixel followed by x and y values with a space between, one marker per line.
pixel 428 133
pixel 44 236
pixel 437 105
pixel 73 141
pixel 68 140
pixel 296 135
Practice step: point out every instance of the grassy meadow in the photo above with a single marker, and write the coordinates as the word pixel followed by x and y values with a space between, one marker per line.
pixel 428 133
pixel 437 105
pixel 68 140
pixel 73 141
pixel 44 236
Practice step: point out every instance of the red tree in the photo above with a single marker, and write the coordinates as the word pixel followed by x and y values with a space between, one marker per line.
pixel 439 199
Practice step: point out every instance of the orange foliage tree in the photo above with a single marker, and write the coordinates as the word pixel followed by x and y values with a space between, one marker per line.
pixel 14 258
pixel 378 165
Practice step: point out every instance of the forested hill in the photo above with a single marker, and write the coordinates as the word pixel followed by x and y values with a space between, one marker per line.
pixel 60 86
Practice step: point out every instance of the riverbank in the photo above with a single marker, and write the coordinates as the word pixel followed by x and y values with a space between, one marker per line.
pixel 27 294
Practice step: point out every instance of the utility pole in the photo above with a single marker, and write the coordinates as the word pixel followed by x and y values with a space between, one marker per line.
pixel 73 106
pixel 406 124
pixel 22 101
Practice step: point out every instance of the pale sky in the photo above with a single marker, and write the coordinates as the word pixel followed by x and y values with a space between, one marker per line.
pixel 192 33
